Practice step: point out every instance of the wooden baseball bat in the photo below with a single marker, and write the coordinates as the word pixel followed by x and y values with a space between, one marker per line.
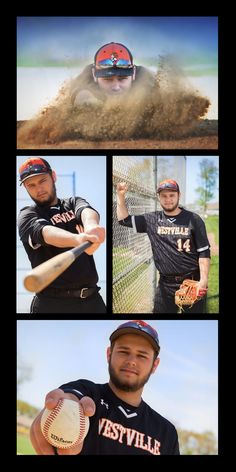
pixel 41 276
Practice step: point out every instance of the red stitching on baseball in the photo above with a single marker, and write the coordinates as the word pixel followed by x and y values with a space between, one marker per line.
pixel 51 417
pixel 54 413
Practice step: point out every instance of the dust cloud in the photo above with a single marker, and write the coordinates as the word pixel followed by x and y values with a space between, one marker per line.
pixel 168 110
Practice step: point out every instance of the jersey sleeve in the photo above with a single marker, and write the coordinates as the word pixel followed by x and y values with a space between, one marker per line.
pixel 175 445
pixel 138 223
pixel 79 204
pixel 79 388
pixel 200 236
pixel 30 226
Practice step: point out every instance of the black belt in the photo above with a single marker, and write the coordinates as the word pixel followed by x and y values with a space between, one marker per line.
pixel 180 278
pixel 70 293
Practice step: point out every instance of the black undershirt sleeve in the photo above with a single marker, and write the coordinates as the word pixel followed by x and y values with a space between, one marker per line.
pixel 138 223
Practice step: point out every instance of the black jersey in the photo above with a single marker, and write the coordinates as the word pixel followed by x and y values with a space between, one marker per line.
pixel 120 428
pixel 177 241
pixel 66 214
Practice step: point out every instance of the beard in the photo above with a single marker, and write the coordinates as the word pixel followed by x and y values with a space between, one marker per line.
pixel 173 208
pixel 51 198
pixel 125 385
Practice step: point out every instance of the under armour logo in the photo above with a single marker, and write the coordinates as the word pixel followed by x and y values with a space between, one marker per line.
pixel 103 403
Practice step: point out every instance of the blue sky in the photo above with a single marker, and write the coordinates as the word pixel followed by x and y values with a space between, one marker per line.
pixel 71 37
pixel 184 389
pixel 192 177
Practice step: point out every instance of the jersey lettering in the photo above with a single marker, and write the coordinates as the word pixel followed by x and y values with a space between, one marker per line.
pixel 62 217
pixel 173 230
pixel 128 436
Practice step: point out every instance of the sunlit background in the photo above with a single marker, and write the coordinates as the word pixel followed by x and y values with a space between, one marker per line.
pixel 51 50
pixel 184 388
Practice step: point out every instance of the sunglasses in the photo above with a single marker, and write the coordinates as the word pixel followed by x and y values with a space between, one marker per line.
pixel 167 185
pixel 142 327
pixel 123 63
pixel 33 169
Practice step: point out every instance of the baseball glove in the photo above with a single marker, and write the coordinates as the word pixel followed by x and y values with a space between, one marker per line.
pixel 189 293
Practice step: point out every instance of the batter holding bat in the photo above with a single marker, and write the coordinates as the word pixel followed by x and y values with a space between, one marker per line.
pixel 180 247
pixel 52 226
pixel 120 422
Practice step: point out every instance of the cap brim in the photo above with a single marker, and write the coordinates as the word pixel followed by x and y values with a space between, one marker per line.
pixel 113 71
pixel 170 190
pixel 33 175
pixel 121 331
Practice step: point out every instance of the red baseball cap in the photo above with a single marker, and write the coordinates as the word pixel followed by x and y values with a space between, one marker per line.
pixel 168 184
pixel 113 59
pixel 33 166
pixel 138 327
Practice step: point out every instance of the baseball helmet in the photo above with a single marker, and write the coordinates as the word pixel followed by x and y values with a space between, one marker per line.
pixel 168 184
pixel 113 59
pixel 138 327
pixel 33 166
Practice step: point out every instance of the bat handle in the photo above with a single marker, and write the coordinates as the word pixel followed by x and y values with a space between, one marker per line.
pixel 78 250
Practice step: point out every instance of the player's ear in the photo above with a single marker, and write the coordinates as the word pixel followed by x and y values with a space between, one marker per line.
pixel 155 365
pixel 54 176
pixel 94 77
pixel 108 354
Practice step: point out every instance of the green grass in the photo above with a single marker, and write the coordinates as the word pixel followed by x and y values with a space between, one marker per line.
pixel 24 445
pixel 212 226
pixel 121 261
pixel 123 287
pixel 213 283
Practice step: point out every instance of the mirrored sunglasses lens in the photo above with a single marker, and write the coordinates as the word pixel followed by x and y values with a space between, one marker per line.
pixel 31 170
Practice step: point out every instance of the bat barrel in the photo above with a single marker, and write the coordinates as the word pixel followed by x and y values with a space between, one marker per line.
pixel 41 276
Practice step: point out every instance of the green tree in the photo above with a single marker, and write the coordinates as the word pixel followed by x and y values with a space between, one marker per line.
pixel 208 175
pixel 25 408
pixel 192 443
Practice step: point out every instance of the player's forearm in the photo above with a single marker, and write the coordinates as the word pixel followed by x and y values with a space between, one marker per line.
pixel 122 211
pixel 204 267
pixel 60 238
pixel 90 218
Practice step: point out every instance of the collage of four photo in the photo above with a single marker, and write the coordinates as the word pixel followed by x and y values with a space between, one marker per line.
pixel 117 190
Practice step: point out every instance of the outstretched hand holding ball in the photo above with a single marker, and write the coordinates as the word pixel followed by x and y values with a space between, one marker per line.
pixel 63 424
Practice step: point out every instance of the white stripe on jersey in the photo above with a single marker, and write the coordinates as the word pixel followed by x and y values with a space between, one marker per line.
pixel 77 391
pixel 202 249
pixel 34 246
pixel 133 223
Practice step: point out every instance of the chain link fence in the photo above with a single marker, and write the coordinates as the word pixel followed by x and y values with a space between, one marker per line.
pixel 134 274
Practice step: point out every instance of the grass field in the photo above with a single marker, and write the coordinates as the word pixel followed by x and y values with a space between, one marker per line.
pixel 24 445
pixel 213 283
pixel 212 226
pixel 122 258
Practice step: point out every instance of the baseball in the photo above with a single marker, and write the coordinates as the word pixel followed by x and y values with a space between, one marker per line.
pixel 66 425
